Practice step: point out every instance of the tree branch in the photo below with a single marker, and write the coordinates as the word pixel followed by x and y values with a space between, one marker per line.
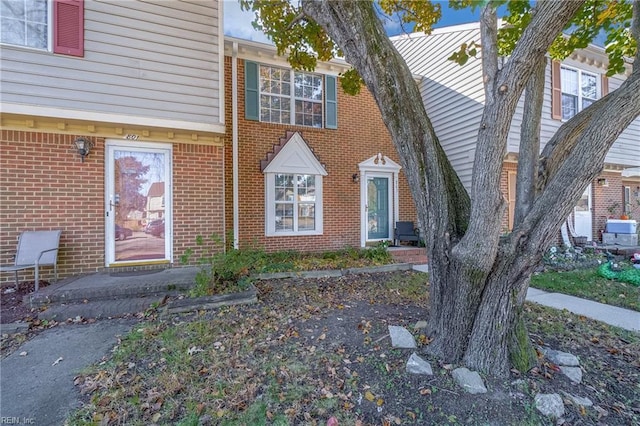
pixel 529 143
pixel 548 19
pixel 635 33
pixel 441 200
pixel 592 136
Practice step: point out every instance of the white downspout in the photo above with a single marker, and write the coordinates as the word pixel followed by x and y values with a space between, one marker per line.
pixel 234 137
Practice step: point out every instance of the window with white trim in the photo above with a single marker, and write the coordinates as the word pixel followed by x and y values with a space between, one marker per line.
pixel 55 25
pixel 25 23
pixel 579 90
pixel 301 106
pixel 293 189
pixel 295 203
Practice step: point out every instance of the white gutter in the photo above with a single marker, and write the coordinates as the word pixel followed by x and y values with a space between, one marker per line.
pixel 234 137
pixel 630 172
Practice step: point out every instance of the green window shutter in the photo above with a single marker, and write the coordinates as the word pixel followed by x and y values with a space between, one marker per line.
pixel 331 102
pixel 251 92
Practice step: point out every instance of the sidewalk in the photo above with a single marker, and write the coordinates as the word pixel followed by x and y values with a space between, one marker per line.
pixel 612 315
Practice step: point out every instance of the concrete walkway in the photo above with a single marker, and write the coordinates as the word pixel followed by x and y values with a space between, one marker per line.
pixel 612 315
pixel 37 379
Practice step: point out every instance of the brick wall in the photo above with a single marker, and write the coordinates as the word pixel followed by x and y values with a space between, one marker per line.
pixel 507 169
pixel 606 201
pixel 198 190
pixel 44 185
pixel 609 200
pixel 360 135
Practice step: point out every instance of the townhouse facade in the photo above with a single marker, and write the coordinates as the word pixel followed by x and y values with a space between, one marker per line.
pixel 570 85
pixel 134 127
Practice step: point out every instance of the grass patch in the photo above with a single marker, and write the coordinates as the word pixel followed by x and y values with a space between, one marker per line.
pixel 586 283
pixel 231 271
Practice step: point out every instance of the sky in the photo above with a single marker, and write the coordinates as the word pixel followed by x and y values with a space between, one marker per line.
pixel 237 23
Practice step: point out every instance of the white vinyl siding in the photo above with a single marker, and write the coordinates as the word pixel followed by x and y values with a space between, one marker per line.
pixel 453 95
pixel 157 60
pixel 624 151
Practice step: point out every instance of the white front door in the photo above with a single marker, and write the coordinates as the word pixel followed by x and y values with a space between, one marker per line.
pixel 582 216
pixel 138 203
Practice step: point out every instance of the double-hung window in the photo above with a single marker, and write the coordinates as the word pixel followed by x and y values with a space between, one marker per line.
pixel 25 23
pixel 56 25
pixel 301 106
pixel 579 90
pixel 285 96
pixel 295 203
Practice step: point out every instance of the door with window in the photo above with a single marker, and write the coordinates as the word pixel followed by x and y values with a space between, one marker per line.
pixel 378 207
pixel 138 204
pixel 582 215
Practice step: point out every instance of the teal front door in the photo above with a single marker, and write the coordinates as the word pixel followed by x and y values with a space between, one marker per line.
pixel 378 210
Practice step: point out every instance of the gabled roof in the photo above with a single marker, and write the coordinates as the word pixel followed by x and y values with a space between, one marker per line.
pixel 292 155
pixel 156 189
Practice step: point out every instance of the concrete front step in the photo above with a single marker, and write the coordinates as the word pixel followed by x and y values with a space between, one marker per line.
pixel 98 309
pixel 132 289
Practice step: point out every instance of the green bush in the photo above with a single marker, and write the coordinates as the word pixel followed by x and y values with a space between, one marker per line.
pixel 224 272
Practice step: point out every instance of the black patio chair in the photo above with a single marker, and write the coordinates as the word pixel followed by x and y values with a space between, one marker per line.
pixel 406 231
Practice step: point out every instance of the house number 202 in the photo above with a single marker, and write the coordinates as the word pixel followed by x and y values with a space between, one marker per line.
pixel 131 137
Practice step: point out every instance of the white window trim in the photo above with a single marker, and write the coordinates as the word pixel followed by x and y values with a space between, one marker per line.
pixel 580 72
pixel 292 96
pixel 270 184
pixel 49 47
pixel 295 158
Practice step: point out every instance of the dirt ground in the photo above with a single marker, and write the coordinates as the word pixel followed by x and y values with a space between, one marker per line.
pixel 11 307
pixel 314 349
pixel 338 327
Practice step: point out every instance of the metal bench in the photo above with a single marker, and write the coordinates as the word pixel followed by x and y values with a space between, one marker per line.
pixel 35 249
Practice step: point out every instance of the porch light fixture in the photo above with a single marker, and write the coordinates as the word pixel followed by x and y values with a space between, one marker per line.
pixel 355 178
pixel 83 146
pixel 602 182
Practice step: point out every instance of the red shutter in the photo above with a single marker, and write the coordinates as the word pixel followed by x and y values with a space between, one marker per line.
pixel 68 27
pixel 556 91
pixel 604 86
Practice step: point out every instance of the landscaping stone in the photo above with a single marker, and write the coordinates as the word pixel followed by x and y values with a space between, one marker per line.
pixel 573 373
pixel 561 358
pixel 401 338
pixel 420 324
pixel 14 327
pixel 578 400
pixel 469 380
pixel 417 365
pixel 550 404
